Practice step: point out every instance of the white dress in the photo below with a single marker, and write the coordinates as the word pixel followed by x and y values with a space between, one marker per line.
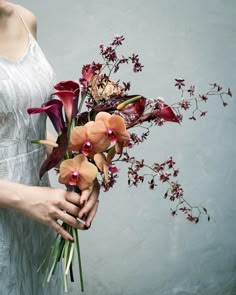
pixel 24 243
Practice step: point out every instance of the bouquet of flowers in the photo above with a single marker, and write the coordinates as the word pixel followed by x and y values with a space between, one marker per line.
pixel 94 120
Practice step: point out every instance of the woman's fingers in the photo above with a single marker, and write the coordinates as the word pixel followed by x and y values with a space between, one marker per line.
pixel 92 202
pixel 85 195
pixel 68 219
pixel 70 208
pixel 72 197
pixel 61 231
pixel 91 214
pixel 92 190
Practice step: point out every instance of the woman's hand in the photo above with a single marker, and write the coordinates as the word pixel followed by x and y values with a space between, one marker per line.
pixel 50 205
pixel 89 203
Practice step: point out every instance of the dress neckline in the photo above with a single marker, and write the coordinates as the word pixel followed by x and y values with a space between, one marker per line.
pixel 24 55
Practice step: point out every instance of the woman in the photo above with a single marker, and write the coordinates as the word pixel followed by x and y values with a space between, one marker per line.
pixel 26 80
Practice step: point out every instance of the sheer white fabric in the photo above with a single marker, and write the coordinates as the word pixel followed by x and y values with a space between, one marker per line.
pixel 25 83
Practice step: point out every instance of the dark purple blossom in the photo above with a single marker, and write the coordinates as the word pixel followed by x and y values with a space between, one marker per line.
pixel 117 41
pixel 179 83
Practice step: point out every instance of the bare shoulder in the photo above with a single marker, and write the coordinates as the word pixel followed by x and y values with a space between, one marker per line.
pixel 29 18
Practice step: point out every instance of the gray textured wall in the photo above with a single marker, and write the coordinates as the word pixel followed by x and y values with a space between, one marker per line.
pixel 135 247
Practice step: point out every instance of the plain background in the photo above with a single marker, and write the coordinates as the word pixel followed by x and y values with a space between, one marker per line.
pixel 135 246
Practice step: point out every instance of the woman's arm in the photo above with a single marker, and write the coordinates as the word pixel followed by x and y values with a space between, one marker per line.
pixel 47 204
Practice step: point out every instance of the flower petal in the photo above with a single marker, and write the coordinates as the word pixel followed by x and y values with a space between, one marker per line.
pixel 117 123
pixel 67 98
pixel 166 113
pixel 96 131
pixel 111 154
pixel 100 161
pixel 78 136
pixel 53 108
pixel 102 164
pixel 103 116
pixel 66 167
pixel 88 172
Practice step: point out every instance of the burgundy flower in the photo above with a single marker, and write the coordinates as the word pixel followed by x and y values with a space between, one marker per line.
pixel 53 108
pixel 134 109
pixel 179 83
pixel 67 98
pixel 117 40
pixel 87 72
pixel 70 86
pixel 166 113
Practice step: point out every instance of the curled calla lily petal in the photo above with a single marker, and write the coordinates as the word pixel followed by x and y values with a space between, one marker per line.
pixel 166 113
pixel 77 171
pixel 53 109
pixel 132 107
pixel 67 98
pixel 70 86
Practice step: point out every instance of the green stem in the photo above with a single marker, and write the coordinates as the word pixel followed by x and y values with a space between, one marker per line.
pixel 76 237
pixel 127 102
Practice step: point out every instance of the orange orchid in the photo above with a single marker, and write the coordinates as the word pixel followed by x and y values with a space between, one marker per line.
pixel 113 127
pixel 77 171
pixel 81 141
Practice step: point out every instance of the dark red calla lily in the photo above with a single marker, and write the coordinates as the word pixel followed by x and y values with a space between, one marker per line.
pixel 53 108
pixel 166 113
pixel 133 110
pixel 70 86
pixel 67 98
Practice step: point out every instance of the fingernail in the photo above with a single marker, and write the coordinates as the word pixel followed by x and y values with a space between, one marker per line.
pixel 82 216
pixel 82 203
pixel 71 240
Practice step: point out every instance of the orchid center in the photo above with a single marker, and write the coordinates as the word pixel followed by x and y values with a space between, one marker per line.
pixel 87 147
pixel 74 177
pixel 111 135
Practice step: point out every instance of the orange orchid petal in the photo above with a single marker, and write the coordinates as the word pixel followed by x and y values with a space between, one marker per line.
pixel 119 147
pixel 103 116
pixel 102 146
pixel 66 167
pixel 96 131
pixel 78 160
pixel 111 154
pixel 102 165
pixel 117 123
pixel 78 135
pixel 89 124
pixel 88 172
pixel 100 161
pixel 106 171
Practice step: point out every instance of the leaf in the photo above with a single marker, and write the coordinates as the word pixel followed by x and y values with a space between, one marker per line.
pixel 57 154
